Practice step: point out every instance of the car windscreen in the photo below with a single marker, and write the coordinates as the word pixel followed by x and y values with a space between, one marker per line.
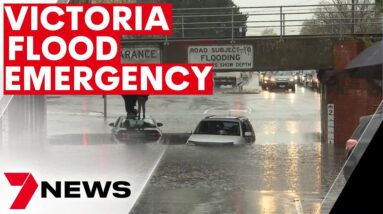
pixel 282 73
pixel 218 128
pixel 137 124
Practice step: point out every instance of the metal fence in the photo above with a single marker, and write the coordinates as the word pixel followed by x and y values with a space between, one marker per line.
pixel 276 20
pixel 293 20
pixel 303 20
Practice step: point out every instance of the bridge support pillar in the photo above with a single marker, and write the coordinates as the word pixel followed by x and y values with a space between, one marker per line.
pixel 350 97
pixel 27 120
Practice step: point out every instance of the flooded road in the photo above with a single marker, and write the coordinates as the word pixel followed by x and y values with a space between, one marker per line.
pixel 287 169
pixel 261 178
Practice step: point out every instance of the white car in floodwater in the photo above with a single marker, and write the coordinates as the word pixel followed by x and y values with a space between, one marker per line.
pixel 230 130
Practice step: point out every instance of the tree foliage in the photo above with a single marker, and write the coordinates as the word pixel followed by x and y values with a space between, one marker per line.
pixel 338 18
pixel 268 32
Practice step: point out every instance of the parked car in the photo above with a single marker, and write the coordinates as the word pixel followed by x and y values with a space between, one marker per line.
pixel 361 135
pixel 223 130
pixel 264 79
pixel 282 80
pixel 307 80
pixel 130 129
pixel 313 81
pixel 227 78
pixel 304 77
pixel 295 76
pixel 301 78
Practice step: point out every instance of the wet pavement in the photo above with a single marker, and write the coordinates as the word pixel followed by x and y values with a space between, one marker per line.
pixel 261 178
pixel 287 170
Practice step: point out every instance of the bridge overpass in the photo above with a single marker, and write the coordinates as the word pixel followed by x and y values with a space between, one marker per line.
pixel 25 116
pixel 269 52
pixel 294 37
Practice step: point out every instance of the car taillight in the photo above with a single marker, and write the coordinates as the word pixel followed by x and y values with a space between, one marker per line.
pixel 123 134
pixel 155 134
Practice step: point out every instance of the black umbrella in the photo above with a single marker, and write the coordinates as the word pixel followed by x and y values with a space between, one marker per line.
pixel 368 64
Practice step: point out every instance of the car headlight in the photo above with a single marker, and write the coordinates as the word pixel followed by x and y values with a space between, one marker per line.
pixel 296 78
pixel 266 78
pixel 272 79
pixel 291 79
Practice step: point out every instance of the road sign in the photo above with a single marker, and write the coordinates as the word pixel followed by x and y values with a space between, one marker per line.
pixel 141 54
pixel 330 123
pixel 223 57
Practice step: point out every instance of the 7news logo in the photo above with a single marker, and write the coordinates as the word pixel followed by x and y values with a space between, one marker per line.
pixel 71 189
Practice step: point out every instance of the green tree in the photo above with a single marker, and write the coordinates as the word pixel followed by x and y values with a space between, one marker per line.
pixel 268 32
pixel 339 18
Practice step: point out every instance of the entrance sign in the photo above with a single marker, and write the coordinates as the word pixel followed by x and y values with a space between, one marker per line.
pixel 141 54
pixel 223 57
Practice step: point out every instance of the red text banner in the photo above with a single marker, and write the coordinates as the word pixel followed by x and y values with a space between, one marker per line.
pixel 75 49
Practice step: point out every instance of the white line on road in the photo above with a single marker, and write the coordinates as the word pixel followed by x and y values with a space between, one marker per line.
pixel 246 110
pixel 298 206
pixel 209 109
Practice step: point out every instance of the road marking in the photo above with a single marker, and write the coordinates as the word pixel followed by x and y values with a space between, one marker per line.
pixel 90 113
pixel 207 110
pixel 298 206
pixel 246 110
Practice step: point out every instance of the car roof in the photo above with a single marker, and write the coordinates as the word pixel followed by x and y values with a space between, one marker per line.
pixel 146 117
pixel 223 118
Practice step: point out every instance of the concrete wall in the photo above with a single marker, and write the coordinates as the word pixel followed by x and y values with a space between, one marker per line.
pixel 352 97
pixel 27 119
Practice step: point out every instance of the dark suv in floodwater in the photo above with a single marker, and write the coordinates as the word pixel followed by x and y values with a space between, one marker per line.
pixel 281 80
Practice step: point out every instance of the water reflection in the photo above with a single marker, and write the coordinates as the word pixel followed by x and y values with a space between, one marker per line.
pixel 292 98
pixel 292 127
pixel 269 163
pixel 267 202
pixel 317 167
pixel 270 128
pixel 269 95
pixel 293 157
